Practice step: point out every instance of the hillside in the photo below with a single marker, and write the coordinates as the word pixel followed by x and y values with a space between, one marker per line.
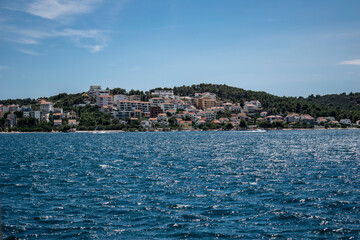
pixel 337 105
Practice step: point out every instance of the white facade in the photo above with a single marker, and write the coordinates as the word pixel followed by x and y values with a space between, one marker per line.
pixel 164 94
pixel 46 107
pixel 345 121
pixel 120 97
pixel 104 100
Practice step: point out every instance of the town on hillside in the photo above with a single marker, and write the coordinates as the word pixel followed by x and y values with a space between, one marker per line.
pixel 163 111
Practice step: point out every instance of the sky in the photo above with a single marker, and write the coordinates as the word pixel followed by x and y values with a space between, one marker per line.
pixel 284 47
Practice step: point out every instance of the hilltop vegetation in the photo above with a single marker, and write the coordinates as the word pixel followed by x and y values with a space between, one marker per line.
pixel 336 105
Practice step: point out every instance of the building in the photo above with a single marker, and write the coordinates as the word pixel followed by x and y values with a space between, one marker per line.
pixel 321 120
pixel 3 108
pixel 205 95
pixel 293 117
pixel 345 121
pixel 306 118
pixel 104 100
pixel 72 122
pixel 14 107
pixel 10 120
pixel 120 97
pixel 134 98
pixel 164 94
pixel 26 108
pixel 46 107
pixel 57 122
pixel 205 103
pixel 93 90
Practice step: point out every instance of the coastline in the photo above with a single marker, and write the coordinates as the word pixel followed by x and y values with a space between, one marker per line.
pixel 192 130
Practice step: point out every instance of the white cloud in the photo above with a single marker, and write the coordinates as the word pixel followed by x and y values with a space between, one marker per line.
pixel 93 40
pixel 53 9
pixel 351 62
pixel 29 52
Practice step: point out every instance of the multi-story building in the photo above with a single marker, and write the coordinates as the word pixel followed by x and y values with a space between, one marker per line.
pixel 164 94
pixel 93 90
pixel 134 98
pixel 104 100
pixel 205 102
pixel 157 101
pixel 46 107
pixel 120 97
pixel 26 108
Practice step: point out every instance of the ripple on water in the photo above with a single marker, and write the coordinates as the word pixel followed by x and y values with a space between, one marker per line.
pixel 235 185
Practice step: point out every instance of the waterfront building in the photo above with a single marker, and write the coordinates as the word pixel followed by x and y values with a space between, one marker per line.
pixel 10 120
pixel 345 121
pixel 57 122
pixel 72 122
pixel 306 118
pixel 293 117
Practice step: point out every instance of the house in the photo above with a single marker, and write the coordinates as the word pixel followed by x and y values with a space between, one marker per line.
pixel 10 120
pixel 3 108
pixel 321 120
pixel 274 118
pixel 57 122
pixel 357 123
pixel 185 124
pixel 345 121
pixel 216 122
pixel 162 117
pixel 293 117
pixel 146 124
pixel 307 119
pixel 72 122
pixel 12 108
pixel 200 122
pixel 244 116
pixel 263 114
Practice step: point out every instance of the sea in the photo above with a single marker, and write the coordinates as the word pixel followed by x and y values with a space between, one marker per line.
pixel 181 185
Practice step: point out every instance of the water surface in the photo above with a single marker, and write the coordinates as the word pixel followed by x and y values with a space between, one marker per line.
pixel 174 185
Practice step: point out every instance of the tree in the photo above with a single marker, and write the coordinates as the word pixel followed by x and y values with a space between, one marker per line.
pixel 243 124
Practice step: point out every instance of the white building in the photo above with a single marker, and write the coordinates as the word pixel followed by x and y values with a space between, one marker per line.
pixel 120 97
pixel 46 107
pixel 345 121
pixel 164 94
pixel 104 100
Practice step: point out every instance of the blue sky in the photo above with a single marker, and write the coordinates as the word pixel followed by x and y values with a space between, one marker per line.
pixel 291 48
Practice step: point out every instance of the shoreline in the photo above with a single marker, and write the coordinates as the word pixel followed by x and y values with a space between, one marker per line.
pixel 193 130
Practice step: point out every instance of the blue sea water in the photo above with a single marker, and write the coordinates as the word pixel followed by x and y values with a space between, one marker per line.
pixel 181 185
